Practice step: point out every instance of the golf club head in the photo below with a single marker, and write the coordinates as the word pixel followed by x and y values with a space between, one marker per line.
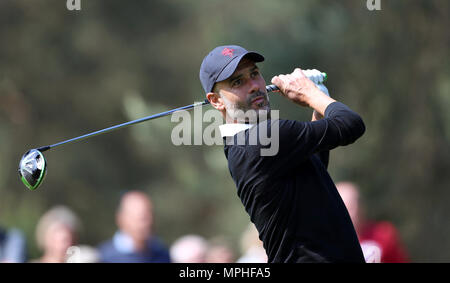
pixel 32 168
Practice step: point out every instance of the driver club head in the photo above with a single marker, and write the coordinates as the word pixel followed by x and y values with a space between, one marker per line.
pixel 32 168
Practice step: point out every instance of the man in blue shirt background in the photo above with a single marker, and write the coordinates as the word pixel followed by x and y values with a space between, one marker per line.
pixel 134 242
pixel 12 246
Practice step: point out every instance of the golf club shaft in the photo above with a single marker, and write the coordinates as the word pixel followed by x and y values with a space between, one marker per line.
pixel 123 125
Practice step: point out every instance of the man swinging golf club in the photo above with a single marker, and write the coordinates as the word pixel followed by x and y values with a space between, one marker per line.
pixel 289 196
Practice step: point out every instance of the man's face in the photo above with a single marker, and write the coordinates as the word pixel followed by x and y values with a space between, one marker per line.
pixel 136 218
pixel 245 90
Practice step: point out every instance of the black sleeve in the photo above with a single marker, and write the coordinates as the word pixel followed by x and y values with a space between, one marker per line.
pixel 299 140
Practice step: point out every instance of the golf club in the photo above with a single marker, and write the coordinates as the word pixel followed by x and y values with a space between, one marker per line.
pixel 33 166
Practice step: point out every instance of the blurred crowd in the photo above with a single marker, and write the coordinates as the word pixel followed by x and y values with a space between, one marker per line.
pixel 135 240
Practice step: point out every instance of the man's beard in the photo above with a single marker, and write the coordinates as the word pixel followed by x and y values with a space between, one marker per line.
pixel 242 112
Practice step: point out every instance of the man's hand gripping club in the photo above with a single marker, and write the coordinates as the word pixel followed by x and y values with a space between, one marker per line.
pixel 301 90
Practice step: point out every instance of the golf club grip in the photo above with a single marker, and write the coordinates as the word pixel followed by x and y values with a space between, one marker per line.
pixel 271 88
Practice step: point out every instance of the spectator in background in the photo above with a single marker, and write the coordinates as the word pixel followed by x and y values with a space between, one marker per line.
pixel 252 247
pixel 134 242
pixel 189 249
pixel 219 251
pixel 379 241
pixel 12 246
pixel 56 232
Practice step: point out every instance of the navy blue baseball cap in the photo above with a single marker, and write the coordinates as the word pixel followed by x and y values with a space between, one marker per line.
pixel 221 63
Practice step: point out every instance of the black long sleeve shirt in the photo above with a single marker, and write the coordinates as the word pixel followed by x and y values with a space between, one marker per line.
pixel 290 196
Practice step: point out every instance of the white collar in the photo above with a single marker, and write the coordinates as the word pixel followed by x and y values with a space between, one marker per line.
pixel 229 130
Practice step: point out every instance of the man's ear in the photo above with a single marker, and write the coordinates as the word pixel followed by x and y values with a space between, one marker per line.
pixel 215 100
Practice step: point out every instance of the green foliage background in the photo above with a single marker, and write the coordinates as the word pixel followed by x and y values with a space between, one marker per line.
pixel 65 73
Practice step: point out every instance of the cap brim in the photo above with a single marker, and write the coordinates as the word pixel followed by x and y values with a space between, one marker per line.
pixel 231 67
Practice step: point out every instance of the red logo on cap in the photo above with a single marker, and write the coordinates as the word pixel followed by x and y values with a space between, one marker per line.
pixel 227 52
